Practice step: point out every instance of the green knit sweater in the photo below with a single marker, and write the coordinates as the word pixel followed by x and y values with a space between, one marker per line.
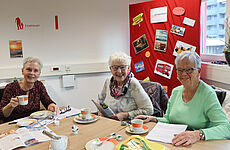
pixel 202 112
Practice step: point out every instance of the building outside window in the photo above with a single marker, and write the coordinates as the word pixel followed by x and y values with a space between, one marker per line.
pixel 213 14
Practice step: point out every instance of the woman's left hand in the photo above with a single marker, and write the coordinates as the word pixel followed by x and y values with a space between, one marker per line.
pixel 186 138
pixel 54 108
pixel 121 116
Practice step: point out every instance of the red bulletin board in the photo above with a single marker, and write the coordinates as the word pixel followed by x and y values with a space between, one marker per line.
pixel 191 36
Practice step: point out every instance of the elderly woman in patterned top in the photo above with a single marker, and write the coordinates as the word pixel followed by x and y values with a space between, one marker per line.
pixel 122 92
pixel 36 91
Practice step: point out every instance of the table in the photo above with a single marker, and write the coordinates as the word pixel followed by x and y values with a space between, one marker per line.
pixel 103 128
pixel 201 145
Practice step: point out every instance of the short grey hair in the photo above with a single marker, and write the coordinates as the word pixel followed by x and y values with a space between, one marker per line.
pixel 32 59
pixel 121 57
pixel 193 57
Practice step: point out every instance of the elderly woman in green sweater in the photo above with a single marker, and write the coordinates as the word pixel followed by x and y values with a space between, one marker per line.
pixel 195 104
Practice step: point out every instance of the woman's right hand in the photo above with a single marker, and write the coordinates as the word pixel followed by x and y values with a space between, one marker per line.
pixel 146 118
pixel 14 102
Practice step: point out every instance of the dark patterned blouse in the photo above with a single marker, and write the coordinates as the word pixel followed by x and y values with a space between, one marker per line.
pixel 36 94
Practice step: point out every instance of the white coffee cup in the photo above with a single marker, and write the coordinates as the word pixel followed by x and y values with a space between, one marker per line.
pixel 23 99
pixel 85 113
pixel 137 125
pixel 59 144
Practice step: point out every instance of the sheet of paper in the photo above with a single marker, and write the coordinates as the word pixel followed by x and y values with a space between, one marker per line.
pixel 158 15
pixel 189 22
pixel 164 132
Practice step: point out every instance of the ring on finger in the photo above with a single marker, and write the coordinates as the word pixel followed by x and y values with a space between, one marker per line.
pixel 186 140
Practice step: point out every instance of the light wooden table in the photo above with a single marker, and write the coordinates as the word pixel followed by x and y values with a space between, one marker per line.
pixel 201 145
pixel 103 128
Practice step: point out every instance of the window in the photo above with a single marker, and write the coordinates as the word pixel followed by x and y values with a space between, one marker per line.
pixel 222 15
pixel 212 27
pixel 221 26
pixel 221 4
pixel 221 36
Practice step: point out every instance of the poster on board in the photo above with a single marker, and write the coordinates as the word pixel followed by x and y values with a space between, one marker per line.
pixel 163 69
pixel 140 44
pixel 15 47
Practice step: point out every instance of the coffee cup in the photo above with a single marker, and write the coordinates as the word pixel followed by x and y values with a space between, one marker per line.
pixel 23 99
pixel 59 144
pixel 85 114
pixel 137 125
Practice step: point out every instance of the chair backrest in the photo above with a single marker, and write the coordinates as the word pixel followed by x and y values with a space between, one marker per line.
pixel 157 95
pixel 221 94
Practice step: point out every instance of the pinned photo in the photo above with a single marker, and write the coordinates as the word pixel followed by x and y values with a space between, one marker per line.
pixel 161 40
pixel 15 48
pixel 158 15
pixel 181 46
pixel 139 66
pixel 189 22
pixel 163 69
pixel 177 30
pixel 140 44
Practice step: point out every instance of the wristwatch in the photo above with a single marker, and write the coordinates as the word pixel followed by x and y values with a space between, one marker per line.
pixel 202 135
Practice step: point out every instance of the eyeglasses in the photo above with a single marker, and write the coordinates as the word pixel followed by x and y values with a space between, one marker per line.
pixel 122 67
pixel 188 70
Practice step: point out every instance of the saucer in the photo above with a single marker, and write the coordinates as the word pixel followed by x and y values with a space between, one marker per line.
pixel 41 114
pixel 78 119
pixel 145 130
pixel 107 145
pixel 26 122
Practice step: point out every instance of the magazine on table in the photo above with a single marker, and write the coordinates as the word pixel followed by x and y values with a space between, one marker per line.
pixel 106 112
pixel 22 137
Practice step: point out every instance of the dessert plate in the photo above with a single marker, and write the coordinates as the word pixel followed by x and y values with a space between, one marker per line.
pixel 41 114
pixel 26 122
pixel 145 129
pixel 107 145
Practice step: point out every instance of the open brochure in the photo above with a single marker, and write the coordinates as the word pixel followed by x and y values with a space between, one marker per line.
pixel 22 138
pixel 139 143
pixel 164 132
pixel 107 112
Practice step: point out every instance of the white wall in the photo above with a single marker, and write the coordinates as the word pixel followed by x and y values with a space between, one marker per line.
pixel 87 87
pixel 90 32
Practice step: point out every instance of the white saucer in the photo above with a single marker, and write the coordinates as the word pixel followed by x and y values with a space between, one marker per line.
pixel 94 118
pixel 26 122
pixel 145 130
pixel 41 114
pixel 108 145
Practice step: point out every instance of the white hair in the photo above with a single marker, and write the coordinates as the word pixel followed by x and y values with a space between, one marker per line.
pixel 32 59
pixel 192 57
pixel 121 57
